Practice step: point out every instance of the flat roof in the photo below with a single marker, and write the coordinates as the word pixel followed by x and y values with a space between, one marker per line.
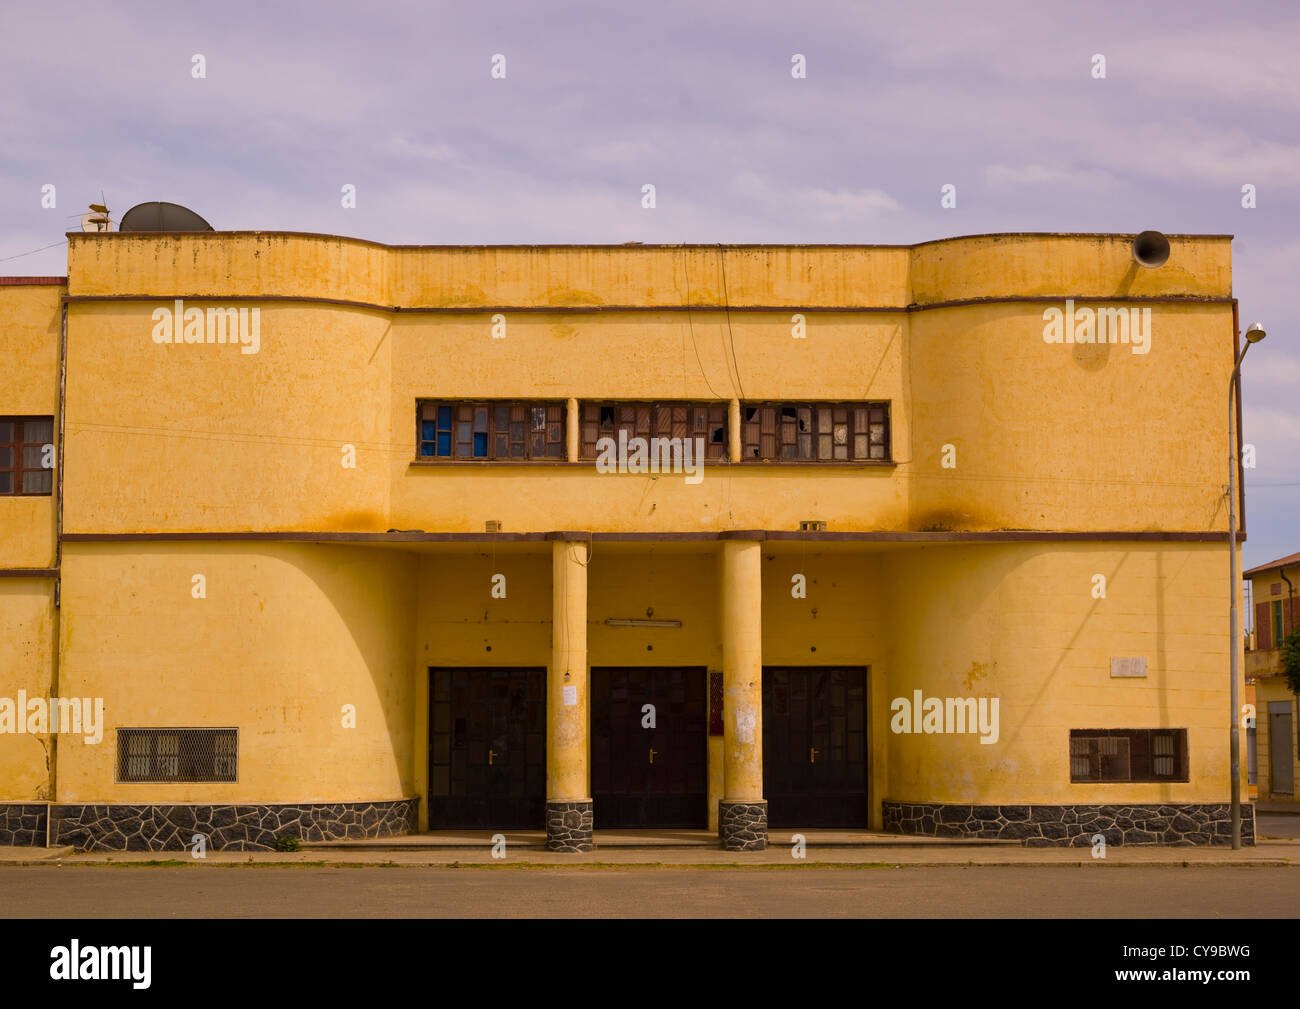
pixel 96 235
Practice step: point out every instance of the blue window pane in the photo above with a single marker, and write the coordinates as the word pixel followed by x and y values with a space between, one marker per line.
pixel 480 444
pixel 426 448
pixel 444 417
pixel 428 429
pixel 444 443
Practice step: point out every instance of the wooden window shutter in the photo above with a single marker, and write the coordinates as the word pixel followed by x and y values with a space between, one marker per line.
pixel 1263 627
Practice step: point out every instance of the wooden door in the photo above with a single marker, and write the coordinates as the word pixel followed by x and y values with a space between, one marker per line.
pixel 487 747
pixel 815 746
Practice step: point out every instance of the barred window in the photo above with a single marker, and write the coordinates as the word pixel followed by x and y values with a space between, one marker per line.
pixel 491 429
pixel 655 420
pixel 1128 755
pixel 815 432
pixel 160 755
pixel 26 455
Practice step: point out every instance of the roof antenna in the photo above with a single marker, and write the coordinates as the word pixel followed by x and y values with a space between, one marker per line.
pixel 98 219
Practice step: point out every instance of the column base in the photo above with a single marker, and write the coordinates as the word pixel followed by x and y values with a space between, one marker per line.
pixel 569 826
pixel 743 825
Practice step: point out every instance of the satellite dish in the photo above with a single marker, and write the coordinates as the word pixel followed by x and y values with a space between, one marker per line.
pixel 162 217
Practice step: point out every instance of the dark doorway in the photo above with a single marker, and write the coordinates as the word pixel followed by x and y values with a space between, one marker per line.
pixel 1282 779
pixel 815 746
pixel 649 777
pixel 487 748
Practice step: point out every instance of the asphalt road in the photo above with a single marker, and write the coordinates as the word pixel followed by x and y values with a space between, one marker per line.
pixel 991 892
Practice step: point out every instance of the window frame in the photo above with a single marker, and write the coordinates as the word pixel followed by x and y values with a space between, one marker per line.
pixel 1277 622
pixel 428 411
pixel 1141 750
pixel 17 446
pixel 714 452
pixel 752 433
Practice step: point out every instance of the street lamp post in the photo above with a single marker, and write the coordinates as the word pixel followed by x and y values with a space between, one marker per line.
pixel 1253 335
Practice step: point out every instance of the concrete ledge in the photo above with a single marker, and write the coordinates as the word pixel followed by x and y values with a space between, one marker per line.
pixel 1270 854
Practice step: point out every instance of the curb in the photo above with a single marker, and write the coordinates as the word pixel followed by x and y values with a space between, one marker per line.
pixel 646 866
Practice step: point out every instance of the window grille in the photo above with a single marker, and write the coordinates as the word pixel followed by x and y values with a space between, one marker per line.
pixel 161 755
pixel 1128 755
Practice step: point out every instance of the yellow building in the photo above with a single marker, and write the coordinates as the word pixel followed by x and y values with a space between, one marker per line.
pixel 326 538
pixel 1273 589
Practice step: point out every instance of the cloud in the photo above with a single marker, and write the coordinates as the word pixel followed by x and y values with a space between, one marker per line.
pixel 1036 174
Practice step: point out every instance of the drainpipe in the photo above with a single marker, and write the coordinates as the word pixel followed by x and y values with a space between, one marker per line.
pixel 1290 593
pixel 58 569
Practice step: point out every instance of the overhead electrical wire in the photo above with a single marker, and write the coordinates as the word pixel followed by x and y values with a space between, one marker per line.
pixel 5 259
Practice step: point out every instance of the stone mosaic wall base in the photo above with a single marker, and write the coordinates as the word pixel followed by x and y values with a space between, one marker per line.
pixel 1074 826
pixel 743 825
pixel 23 823
pixel 236 827
pixel 569 826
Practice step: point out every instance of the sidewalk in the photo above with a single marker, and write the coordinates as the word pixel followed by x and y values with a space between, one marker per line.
pixel 1281 853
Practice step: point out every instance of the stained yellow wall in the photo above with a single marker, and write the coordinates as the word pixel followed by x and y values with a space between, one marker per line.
pixel 289 633
pixel 983 266
pixel 246 441
pixel 1020 622
pixel 1031 423
pixel 30 328
pixel 26 655
pixel 286 636
pixel 203 438
pixel 326 266
pixel 1060 436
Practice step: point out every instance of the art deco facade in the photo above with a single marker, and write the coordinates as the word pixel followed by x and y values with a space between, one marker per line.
pixel 350 540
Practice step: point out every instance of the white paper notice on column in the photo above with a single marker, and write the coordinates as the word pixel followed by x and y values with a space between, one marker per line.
pixel 1128 667
pixel 570 696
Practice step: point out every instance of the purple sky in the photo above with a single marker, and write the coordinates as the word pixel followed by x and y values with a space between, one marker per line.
pixel 996 98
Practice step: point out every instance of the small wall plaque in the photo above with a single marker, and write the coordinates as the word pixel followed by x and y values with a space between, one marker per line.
pixel 1128 667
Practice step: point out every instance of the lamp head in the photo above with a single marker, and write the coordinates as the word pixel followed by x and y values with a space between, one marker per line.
pixel 1150 249
pixel 1255 332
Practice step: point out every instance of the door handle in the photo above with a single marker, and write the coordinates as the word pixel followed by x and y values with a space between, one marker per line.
pixel 491 754
pixel 652 755
pixel 812 755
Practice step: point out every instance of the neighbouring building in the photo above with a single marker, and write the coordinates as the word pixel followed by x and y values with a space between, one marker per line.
pixel 326 538
pixel 1273 593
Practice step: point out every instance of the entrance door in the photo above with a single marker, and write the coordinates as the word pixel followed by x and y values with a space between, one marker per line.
pixel 643 775
pixel 487 748
pixel 1279 747
pixel 815 746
